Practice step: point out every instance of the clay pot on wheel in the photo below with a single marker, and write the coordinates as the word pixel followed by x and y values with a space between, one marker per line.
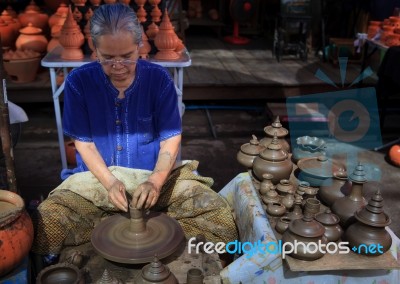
pixel 16 231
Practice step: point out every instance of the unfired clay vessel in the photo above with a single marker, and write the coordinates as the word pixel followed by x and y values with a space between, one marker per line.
pixel 277 129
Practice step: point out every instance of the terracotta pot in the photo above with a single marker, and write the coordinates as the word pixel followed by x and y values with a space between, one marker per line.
pixel 346 206
pixel 7 34
pixel 16 231
pixel 166 40
pixel 61 12
pixel 54 4
pixel 21 66
pixel 277 129
pixel 334 188
pixel 37 19
pixel 71 38
pixel 152 30
pixel 273 160
pixel 31 37
pixel 248 152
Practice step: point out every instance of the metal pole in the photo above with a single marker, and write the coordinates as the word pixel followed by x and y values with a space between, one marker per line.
pixel 5 129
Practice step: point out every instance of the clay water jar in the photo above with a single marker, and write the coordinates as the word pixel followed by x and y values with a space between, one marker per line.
pixel 333 231
pixel 36 18
pixel 346 206
pixel 248 152
pixel 16 231
pixel 334 188
pixel 31 37
pixel 369 228
pixel 277 129
pixel 273 160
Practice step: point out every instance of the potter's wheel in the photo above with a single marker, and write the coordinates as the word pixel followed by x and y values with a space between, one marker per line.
pixel 137 238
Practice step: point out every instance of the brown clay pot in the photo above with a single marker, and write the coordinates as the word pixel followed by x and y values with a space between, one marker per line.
pixel 305 230
pixel 277 129
pixel 166 40
pixel 266 184
pixel 333 231
pixel 284 187
pixel 296 212
pixel 275 209
pixel 16 231
pixel 60 273
pixel 248 152
pixel 273 160
pixel 31 37
pixel 334 188
pixel 71 38
pixel 152 31
pixel 282 224
pixel 36 18
pixel 346 206
pixel 7 34
pixel 21 65
pixel 369 229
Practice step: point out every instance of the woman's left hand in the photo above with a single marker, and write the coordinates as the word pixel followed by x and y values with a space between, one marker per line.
pixel 145 196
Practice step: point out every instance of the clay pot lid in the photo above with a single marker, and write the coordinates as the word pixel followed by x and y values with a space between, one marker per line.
pixel 327 218
pixel 358 175
pixel 320 166
pixel 252 148
pixel 306 227
pixel 138 237
pixel 274 151
pixel 32 7
pixel 155 271
pixel 30 30
pixel 11 207
pixel 20 54
pixel 276 128
pixel 373 213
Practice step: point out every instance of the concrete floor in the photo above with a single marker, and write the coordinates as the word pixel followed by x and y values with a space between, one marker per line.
pixel 37 158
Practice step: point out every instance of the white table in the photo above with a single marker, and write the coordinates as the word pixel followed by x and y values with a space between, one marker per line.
pixel 54 62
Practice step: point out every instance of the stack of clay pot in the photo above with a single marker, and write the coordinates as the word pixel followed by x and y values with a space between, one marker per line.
pixel 388 31
pixel 21 65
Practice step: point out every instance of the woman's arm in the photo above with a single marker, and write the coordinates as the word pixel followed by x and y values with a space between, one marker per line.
pixel 147 194
pixel 95 163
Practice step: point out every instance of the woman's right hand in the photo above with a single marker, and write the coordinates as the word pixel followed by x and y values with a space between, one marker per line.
pixel 116 195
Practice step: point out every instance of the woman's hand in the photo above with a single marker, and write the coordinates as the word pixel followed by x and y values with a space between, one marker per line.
pixel 145 196
pixel 116 195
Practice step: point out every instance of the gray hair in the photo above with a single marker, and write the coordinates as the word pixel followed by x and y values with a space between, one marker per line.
pixel 113 18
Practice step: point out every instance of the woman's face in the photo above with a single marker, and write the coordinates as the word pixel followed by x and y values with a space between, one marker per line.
pixel 118 54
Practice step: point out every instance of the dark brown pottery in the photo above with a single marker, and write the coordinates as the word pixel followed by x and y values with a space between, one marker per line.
pixel 333 231
pixel 273 160
pixel 60 273
pixel 369 229
pixel 288 200
pixel 307 231
pixel 307 147
pixel 194 276
pixel 284 187
pixel 275 209
pixel 282 224
pixel 346 206
pixel 312 206
pixel 296 212
pixel 266 184
pixel 248 152
pixel 334 188
pixel 106 278
pixel 270 196
pixel 276 128
pixel 317 169
pixel 156 272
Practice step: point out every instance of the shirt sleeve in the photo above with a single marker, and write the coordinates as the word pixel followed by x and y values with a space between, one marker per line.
pixel 169 121
pixel 75 114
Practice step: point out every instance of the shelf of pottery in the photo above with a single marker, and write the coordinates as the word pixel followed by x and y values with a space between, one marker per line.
pixel 311 197
pixel 28 35
pixel 386 32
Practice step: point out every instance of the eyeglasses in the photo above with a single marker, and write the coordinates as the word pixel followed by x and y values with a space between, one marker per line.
pixel 112 62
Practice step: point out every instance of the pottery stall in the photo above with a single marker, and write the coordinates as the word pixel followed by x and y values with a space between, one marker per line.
pixel 310 197
pixel 66 24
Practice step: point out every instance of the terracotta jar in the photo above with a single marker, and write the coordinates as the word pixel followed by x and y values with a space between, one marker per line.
pixel 11 11
pixel 31 37
pixel 335 187
pixel 273 160
pixel 61 12
pixel 13 23
pixel 54 4
pixel 166 40
pixel 152 31
pixel 16 231
pixel 305 230
pixel 248 152
pixel 369 229
pixel 141 12
pixel 155 11
pixel 315 170
pixel 71 38
pixel 333 231
pixel 373 28
pixel 277 129
pixel 346 206
pixel 307 146
pixel 21 65
pixel 35 17
pixel 7 34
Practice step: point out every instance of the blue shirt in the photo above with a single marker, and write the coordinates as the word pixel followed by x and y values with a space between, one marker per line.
pixel 127 132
